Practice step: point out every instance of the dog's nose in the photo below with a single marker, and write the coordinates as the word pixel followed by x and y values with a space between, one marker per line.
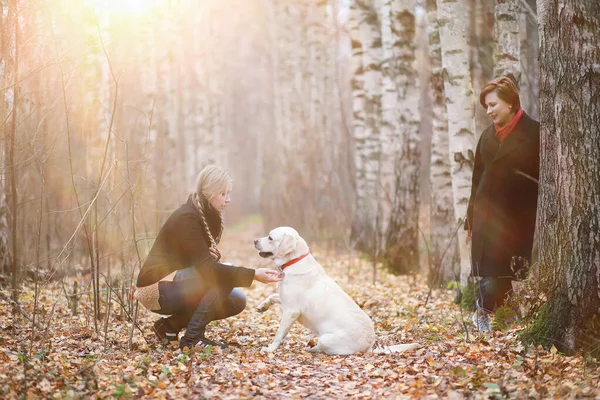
pixel 255 242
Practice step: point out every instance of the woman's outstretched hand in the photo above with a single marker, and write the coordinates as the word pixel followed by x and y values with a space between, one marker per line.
pixel 266 275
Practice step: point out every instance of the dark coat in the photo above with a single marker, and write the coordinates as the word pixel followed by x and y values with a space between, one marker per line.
pixel 182 242
pixel 503 204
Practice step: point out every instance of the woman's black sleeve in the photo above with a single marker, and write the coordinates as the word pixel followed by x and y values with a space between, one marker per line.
pixel 477 172
pixel 193 247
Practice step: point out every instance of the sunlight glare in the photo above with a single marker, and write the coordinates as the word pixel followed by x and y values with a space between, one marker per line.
pixel 121 7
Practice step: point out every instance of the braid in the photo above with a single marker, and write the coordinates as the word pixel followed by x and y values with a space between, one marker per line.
pixel 218 238
pixel 212 180
pixel 200 208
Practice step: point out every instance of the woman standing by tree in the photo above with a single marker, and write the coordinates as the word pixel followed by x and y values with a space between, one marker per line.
pixel 182 277
pixel 502 208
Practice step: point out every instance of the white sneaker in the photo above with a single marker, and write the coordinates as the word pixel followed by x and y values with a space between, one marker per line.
pixel 482 322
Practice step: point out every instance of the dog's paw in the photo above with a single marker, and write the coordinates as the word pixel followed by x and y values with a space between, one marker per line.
pixel 271 348
pixel 262 307
pixel 314 349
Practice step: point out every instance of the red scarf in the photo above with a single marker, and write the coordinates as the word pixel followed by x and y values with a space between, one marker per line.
pixel 503 131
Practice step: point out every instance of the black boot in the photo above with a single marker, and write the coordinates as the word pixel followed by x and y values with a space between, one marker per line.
pixel 190 342
pixel 209 342
pixel 163 331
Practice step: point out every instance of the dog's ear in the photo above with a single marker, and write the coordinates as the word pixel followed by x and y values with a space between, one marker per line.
pixel 286 245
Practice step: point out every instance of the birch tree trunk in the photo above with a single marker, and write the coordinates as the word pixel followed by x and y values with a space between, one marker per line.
pixel 6 27
pixel 482 55
pixel 13 19
pixel 390 131
pixel 171 172
pixel 569 201
pixel 453 21
pixel 146 60
pixel 204 139
pixel 342 102
pixel 507 39
pixel 166 160
pixel 366 84
pixel 215 79
pixel 180 105
pixel 159 128
pixel 402 234
pixel 443 243
pixel 279 42
pixel 528 88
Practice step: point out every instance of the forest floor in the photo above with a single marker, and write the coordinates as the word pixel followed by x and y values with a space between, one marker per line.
pixel 72 360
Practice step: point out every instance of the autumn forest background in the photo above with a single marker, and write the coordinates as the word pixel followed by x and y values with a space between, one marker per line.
pixel 354 121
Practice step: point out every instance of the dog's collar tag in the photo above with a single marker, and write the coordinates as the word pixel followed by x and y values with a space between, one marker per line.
pixel 294 261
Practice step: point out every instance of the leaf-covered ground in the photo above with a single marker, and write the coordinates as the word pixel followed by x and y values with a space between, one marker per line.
pixel 71 360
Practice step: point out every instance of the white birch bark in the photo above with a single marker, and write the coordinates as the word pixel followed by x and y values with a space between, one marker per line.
pixel 4 183
pixel 5 106
pixel 277 111
pixel 281 42
pixel 443 243
pixel 390 131
pixel 402 247
pixel 205 142
pixel 366 83
pixel 205 73
pixel 318 66
pixel 4 213
pixel 216 87
pixel 453 22
pixel 162 171
pixel 298 69
pixel 507 40
pixel 288 73
pixel 173 167
pixel 342 103
pixel 145 61
pixel 180 105
pixel 482 55
pixel 188 128
pixel 106 92
pixel 529 68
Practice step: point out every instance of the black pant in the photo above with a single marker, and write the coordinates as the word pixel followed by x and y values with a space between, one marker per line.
pixel 493 292
pixel 192 305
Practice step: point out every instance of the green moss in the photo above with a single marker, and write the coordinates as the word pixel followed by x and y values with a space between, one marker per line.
pixel 503 317
pixel 552 321
pixel 541 331
pixel 469 296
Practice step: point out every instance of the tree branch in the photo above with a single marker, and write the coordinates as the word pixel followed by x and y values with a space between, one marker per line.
pixel 18 308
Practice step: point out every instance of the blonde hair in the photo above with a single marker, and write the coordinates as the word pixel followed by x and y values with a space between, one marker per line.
pixel 210 181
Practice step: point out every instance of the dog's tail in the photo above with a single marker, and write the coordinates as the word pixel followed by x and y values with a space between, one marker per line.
pixel 397 348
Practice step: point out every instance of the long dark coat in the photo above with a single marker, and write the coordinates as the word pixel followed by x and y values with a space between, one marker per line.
pixel 503 204
pixel 182 242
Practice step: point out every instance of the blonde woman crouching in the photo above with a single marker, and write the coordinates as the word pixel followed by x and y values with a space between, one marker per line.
pixel 182 276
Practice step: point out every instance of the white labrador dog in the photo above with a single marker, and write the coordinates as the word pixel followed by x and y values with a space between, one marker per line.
pixel 308 295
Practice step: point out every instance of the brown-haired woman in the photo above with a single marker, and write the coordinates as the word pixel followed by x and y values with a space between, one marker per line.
pixel 182 277
pixel 502 208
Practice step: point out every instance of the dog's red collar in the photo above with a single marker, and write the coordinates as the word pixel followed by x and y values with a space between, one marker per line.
pixel 294 261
